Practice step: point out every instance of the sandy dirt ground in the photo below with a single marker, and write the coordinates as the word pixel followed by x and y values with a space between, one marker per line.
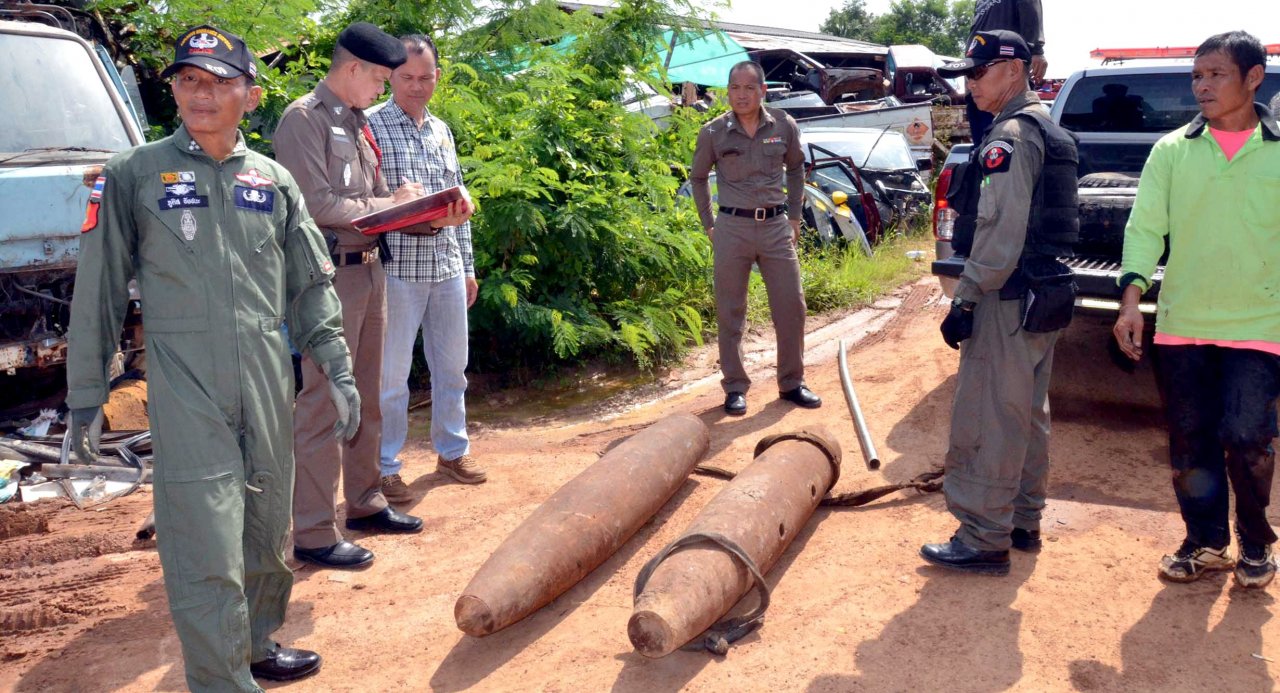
pixel 82 606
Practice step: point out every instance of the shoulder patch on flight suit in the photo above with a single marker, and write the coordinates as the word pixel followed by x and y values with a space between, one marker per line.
pixel 996 157
pixel 95 199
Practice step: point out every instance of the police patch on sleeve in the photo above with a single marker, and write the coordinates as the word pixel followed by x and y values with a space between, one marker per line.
pixel 996 157
pixel 255 199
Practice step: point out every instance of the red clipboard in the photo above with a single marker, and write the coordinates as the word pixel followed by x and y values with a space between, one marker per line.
pixel 416 211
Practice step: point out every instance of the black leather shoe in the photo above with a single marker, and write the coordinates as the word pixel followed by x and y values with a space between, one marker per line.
pixel 1025 539
pixel 802 396
pixel 387 520
pixel 735 404
pixel 959 556
pixel 342 555
pixel 286 664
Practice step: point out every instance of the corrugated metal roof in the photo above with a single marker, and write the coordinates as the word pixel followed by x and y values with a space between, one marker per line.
pixel 811 43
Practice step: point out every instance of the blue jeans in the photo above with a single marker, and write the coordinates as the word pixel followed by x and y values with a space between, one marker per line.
pixel 1221 409
pixel 440 310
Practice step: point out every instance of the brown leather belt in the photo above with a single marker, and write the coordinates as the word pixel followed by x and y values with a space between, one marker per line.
pixel 759 213
pixel 358 258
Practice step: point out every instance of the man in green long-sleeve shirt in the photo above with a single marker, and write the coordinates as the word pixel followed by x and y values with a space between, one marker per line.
pixel 1212 189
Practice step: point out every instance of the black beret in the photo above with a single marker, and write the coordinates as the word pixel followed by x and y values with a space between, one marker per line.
pixel 368 42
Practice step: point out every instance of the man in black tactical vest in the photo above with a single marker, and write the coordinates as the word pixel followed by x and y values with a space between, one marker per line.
pixel 1017 205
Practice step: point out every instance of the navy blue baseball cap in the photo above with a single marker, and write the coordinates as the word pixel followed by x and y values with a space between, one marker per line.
pixel 214 51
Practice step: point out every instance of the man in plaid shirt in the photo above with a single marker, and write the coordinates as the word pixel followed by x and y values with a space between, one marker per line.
pixel 430 276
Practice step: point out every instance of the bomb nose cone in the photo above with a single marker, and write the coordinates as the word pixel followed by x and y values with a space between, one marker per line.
pixel 474 617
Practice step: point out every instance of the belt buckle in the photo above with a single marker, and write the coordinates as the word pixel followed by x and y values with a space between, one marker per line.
pixel 760 213
pixel 369 256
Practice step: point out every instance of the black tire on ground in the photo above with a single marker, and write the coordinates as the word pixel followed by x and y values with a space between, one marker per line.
pixel 1109 180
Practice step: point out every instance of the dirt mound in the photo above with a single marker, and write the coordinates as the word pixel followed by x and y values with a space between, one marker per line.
pixel 17 519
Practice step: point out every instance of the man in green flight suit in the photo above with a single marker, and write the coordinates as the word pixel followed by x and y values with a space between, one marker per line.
pixel 224 252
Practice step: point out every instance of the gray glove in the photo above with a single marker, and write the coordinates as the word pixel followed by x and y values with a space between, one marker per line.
pixel 85 428
pixel 342 389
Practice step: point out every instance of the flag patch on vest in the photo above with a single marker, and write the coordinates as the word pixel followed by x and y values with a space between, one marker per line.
pixel 254 199
pixel 996 157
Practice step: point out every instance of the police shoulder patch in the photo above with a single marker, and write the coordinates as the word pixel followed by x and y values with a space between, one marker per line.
pixel 996 157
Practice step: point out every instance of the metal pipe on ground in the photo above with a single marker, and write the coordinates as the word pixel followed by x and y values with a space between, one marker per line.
pixel 869 454
pixel 582 524
pixel 747 527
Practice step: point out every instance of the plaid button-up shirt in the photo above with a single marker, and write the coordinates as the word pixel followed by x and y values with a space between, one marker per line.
pixel 425 155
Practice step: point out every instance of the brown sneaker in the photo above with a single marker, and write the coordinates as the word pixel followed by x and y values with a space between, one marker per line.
pixel 464 469
pixel 395 490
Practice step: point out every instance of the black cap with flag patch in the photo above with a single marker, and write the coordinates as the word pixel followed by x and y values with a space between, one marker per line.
pixel 214 51
pixel 988 47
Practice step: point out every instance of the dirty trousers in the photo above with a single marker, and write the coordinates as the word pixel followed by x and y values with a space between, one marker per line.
pixel 320 457
pixel 222 481
pixel 997 464
pixel 1220 406
pixel 738 242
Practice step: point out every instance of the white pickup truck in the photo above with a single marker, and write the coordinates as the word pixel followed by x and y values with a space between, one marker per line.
pixel 1118 112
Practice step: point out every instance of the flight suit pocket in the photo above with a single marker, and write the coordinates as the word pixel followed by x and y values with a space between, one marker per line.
pixel 1262 205
pixel 264 521
pixel 271 323
pixel 197 513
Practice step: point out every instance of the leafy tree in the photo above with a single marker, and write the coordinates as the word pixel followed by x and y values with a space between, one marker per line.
pixel 942 25
pixel 853 21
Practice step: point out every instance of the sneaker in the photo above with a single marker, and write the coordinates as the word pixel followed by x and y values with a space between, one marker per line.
pixel 1191 562
pixel 463 470
pixel 395 490
pixel 1257 567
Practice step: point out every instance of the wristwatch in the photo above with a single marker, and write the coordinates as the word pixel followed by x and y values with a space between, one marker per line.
pixel 962 304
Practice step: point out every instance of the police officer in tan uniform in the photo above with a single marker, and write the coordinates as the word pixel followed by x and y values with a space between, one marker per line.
pixel 223 251
pixel 1018 214
pixel 323 139
pixel 751 148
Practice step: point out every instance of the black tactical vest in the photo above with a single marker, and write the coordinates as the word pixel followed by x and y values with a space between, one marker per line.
pixel 1053 225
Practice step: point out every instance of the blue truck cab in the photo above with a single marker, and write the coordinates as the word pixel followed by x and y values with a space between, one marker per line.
pixel 65 114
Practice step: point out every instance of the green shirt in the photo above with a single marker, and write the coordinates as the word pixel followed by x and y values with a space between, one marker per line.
pixel 1222 221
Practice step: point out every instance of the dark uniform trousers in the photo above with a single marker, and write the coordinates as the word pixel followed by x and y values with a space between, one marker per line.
pixel 738 242
pixel 997 466
pixel 363 292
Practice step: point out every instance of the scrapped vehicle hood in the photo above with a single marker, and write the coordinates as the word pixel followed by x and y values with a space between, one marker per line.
pixel 832 83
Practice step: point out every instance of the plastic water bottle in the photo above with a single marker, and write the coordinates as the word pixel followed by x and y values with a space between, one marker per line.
pixel 97 490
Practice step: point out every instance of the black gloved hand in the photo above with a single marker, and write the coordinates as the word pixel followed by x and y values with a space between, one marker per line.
pixel 957 326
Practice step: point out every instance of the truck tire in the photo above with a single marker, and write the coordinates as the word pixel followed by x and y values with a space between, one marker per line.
pixel 1109 180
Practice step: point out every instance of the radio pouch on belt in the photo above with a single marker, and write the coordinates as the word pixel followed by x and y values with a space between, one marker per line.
pixel 1050 296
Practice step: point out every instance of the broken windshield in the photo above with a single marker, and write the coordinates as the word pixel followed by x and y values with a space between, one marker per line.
pixel 59 100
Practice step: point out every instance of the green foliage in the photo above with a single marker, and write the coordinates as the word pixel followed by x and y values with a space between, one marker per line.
pixel 853 20
pixel 581 248
pixel 840 276
pixel 942 25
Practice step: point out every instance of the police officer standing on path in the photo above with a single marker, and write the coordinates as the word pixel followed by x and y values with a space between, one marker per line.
pixel 324 140
pixel 223 251
pixel 750 148
pixel 1017 204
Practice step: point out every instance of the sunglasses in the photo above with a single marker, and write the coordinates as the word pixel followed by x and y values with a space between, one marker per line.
pixel 980 72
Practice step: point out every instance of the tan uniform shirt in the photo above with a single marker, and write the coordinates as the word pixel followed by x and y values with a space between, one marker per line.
pixel 749 169
pixel 320 140
pixel 1004 204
